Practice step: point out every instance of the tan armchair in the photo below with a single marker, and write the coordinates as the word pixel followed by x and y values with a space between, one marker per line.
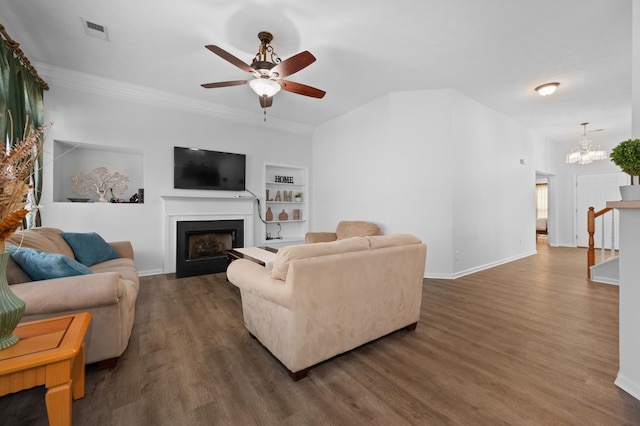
pixel 345 229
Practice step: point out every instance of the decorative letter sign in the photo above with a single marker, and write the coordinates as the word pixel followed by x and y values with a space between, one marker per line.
pixel 284 179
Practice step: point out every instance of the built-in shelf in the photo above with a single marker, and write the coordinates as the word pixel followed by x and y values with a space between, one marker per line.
pixel 285 184
pixel 70 158
pixel 290 230
pixel 284 202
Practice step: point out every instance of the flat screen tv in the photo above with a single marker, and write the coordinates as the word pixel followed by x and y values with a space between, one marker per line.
pixel 204 169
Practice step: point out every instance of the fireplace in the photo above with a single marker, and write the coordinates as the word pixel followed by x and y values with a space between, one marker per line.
pixel 201 245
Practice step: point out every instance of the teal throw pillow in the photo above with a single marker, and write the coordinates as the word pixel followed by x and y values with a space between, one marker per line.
pixel 89 248
pixel 40 265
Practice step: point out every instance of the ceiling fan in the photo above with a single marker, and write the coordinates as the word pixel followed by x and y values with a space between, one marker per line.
pixel 267 73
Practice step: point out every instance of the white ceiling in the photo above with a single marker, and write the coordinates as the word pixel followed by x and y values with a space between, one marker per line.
pixel 493 51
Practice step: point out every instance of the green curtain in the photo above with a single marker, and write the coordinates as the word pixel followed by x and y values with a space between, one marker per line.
pixel 21 94
pixel 34 108
pixel 6 66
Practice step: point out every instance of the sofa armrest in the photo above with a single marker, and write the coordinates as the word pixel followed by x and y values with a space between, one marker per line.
pixel 320 237
pixel 256 279
pixel 124 248
pixel 75 293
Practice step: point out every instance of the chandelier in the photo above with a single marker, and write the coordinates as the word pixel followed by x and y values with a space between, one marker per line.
pixel 585 153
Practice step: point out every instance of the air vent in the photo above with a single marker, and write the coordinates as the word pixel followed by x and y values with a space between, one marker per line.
pixel 95 30
pixel 94 26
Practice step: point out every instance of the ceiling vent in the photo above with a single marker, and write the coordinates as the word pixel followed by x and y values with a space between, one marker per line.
pixel 95 30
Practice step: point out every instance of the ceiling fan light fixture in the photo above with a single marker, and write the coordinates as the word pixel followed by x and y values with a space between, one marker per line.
pixel 547 89
pixel 264 86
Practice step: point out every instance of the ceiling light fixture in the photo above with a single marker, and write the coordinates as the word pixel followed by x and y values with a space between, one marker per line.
pixel 585 153
pixel 547 89
pixel 264 86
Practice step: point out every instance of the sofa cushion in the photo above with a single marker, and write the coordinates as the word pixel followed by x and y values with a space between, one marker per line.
pixel 40 265
pixel 43 239
pixel 288 254
pixel 356 228
pixel 381 241
pixel 89 248
pixel 15 274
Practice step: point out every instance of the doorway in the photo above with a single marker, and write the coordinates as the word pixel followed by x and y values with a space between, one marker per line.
pixel 545 208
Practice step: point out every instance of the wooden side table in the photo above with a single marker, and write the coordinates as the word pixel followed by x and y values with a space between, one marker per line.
pixel 50 353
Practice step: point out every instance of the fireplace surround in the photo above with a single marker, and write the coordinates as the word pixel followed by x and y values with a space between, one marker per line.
pixel 196 207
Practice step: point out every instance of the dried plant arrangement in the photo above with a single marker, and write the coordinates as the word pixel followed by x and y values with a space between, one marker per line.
pixel 17 166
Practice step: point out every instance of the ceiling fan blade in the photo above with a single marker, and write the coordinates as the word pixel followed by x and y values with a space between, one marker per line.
pixel 266 101
pixel 293 64
pixel 224 84
pixel 230 58
pixel 301 89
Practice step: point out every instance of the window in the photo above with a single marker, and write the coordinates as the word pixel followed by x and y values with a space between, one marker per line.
pixel 542 209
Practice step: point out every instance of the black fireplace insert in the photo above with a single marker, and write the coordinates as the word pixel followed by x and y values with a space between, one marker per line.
pixel 202 244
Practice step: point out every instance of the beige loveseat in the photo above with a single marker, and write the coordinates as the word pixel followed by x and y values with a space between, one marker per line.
pixel 109 293
pixel 324 299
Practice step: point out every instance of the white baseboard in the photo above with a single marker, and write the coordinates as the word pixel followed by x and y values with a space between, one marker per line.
pixel 479 268
pixel 150 272
pixel 628 386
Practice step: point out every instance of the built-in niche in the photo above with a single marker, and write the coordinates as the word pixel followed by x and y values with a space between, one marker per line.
pixel 70 158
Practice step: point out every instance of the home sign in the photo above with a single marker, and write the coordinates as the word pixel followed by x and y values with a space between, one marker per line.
pixel 284 179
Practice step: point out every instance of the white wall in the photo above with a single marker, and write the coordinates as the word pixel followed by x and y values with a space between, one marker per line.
pixel 628 377
pixel 635 75
pixel 94 118
pixel 494 194
pixel 435 164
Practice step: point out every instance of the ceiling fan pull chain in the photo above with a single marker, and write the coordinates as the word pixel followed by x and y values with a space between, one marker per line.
pixel 264 107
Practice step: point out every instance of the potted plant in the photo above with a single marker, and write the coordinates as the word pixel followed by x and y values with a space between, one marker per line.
pixel 626 155
pixel 298 197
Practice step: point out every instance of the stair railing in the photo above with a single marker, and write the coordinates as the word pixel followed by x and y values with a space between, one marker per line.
pixel 591 229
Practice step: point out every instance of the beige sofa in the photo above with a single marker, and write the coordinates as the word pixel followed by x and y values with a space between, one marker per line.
pixel 324 299
pixel 345 229
pixel 109 293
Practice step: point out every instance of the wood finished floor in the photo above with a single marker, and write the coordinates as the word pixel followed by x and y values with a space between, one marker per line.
pixel 527 343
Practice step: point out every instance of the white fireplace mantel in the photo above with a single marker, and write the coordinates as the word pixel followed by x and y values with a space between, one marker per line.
pixel 188 208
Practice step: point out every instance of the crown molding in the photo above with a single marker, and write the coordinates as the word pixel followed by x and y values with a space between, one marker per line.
pixel 90 83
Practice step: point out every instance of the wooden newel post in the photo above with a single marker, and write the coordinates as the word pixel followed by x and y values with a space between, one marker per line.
pixel 591 229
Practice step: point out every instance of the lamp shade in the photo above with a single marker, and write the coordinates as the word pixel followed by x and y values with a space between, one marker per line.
pixel 264 86
pixel 547 89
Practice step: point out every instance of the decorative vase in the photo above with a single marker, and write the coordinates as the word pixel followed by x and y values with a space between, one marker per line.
pixel 283 215
pixel 102 196
pixel 269 215
pixel 11 307
pixel 630 192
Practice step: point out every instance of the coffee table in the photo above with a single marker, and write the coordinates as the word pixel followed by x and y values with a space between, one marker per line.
pixel 50 353
pixel 261 255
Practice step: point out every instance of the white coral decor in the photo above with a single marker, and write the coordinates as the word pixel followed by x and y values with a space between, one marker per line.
pixel 100 181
